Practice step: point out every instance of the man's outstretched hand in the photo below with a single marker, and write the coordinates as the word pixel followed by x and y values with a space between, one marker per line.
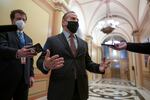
pixel 53 62
pixel 104 65
pixel 120 46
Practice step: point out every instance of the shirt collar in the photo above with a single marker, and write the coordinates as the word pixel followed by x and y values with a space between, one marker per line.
pixel 19 31
pixel 67 34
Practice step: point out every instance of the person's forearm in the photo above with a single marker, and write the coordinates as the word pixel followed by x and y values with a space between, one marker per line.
pixel 8 52
pixel 40 65
pixel 143 48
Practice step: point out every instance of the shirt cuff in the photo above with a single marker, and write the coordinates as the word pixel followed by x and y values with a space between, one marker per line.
pixel 46 69
pixel 17 55
pixel 101 69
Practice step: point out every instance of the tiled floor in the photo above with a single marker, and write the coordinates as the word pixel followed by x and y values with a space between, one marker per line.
pixel 112 89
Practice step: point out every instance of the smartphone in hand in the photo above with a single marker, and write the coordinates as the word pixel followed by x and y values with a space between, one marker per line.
pixel 109 45
pixel 37 48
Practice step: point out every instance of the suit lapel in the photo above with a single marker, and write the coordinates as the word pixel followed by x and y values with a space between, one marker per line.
pixel 65 44
pixel 80 48
pixel 14 39
pixel 27 40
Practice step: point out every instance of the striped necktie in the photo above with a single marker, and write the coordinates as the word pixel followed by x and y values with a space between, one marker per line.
pixel 72 44
pixel 21 39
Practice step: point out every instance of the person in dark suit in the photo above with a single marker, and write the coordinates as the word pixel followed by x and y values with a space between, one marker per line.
pixel 143 48
pixel 16 61
pixel 68 60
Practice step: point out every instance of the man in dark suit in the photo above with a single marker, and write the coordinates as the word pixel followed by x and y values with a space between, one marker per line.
pixel 16 61
pixel 143 48
pixel 67 58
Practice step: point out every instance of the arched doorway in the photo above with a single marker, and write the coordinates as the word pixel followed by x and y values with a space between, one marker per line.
pixel 119 68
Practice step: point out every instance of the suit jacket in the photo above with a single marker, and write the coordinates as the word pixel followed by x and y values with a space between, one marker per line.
pixel 11 69
pixel 139 47
pixel 62 81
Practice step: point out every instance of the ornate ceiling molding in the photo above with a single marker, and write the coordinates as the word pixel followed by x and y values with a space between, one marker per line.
pixel 59 5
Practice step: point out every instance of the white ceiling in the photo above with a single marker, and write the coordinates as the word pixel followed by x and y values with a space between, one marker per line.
pixel 130 14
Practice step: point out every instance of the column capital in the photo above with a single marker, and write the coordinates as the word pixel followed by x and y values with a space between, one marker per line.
pixel 136 36
pixel 59 5
pixel 89 37
pixel 135 32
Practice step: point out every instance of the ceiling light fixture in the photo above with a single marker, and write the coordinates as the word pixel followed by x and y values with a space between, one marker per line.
pixel 108 24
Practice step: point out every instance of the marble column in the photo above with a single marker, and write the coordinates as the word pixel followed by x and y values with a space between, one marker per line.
pixel 98 59
pixel 131 66
pixel 60 7
pixel 57 22
pixel 138 64
pixel 88 39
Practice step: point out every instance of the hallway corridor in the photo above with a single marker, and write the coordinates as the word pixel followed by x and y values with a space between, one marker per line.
pixel 113 89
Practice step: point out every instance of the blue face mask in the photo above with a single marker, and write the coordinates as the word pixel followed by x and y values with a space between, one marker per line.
pixel 73 26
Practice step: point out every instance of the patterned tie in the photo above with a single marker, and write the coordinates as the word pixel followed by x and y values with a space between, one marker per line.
pixel 72 44
pixel 21 39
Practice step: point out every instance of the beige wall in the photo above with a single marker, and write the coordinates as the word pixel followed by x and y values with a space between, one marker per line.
pixel 38 19
pixel 38 27
pixel 37 22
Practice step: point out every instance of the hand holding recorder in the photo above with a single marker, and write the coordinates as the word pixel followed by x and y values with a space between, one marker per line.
pixel 109 45
pixel 36 48
pixel 29 51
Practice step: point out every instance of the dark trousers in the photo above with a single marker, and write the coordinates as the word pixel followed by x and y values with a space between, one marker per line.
pixel 76 95
pixel 14 91
pixel 21 92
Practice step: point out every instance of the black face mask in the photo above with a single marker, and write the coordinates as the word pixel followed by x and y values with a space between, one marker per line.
pixel 73 26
